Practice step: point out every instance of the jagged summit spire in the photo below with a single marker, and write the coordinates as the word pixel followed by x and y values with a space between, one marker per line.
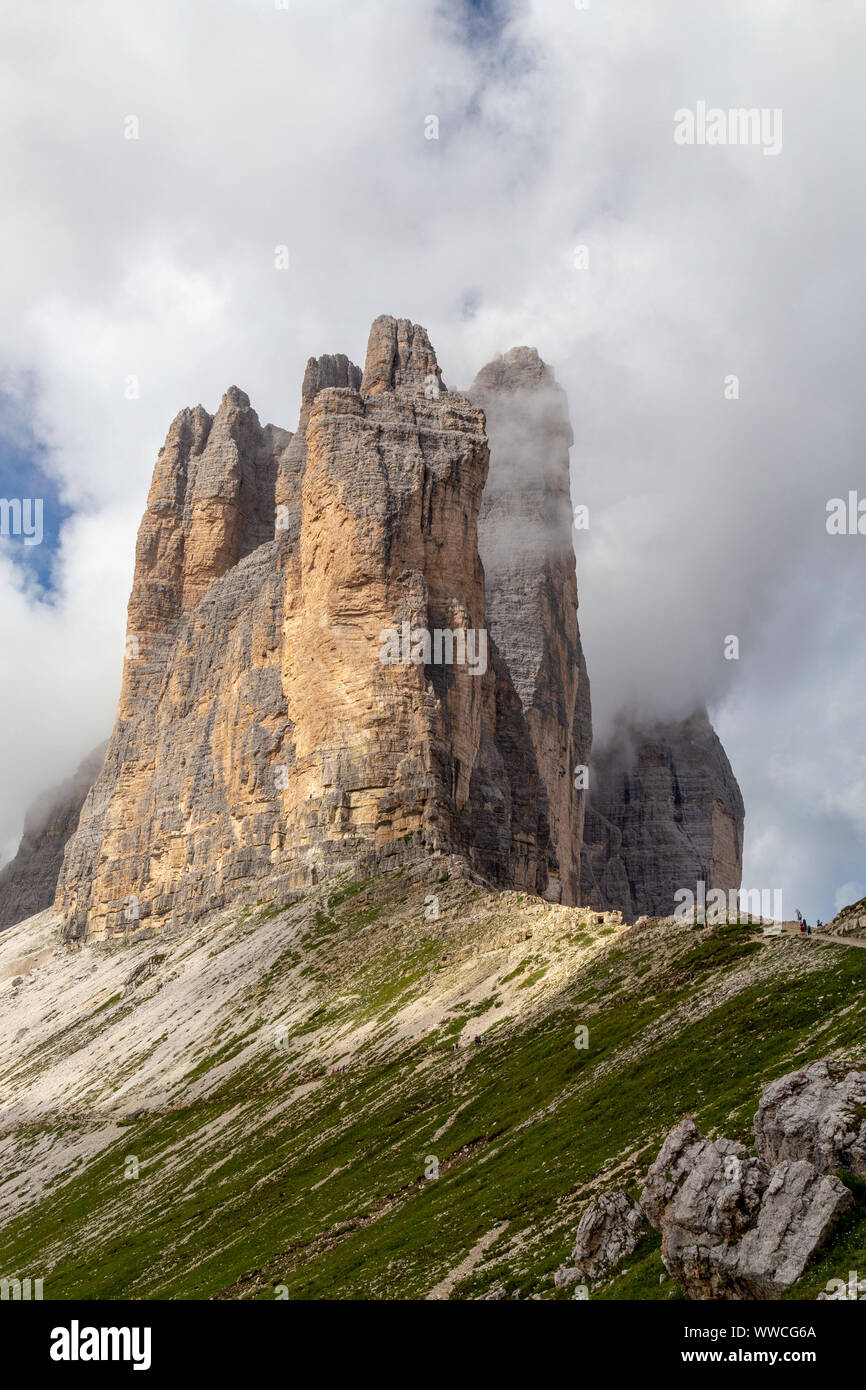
pixel 519 367
pixel 399 357
pixel 266 731
pixel 329 370
pixel 234 399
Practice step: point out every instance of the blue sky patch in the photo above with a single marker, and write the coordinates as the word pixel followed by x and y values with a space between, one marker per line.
pixel 31 512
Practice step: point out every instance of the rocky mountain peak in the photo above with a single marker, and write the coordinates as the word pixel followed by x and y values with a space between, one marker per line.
pixel 359 643
pixel 399 358
pixel 525 544
pixel 233 399
pixel 262 733
pixel 519 367
pixel 665 812
pixel 330 370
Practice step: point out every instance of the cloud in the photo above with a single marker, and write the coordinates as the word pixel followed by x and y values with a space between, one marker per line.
pixel 154 259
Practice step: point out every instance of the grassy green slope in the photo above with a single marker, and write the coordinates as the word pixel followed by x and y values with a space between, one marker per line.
pixel 320 1187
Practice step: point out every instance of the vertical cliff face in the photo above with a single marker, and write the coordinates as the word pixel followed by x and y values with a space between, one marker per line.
pixel 526 548
pixel 665 812
pixel 386 743
pixel 286 710
pixel 322 674
pixel 28 882
pixel 184 808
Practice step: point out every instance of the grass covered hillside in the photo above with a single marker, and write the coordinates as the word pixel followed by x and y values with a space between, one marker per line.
pixel 271 1103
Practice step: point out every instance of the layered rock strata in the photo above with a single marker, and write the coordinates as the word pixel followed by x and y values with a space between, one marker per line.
pixel 359 642
pixel 665 813
pixel 268 730
pixel 525 542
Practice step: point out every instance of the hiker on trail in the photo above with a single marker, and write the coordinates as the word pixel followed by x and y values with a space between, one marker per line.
pixel 808 930
pixel 799 915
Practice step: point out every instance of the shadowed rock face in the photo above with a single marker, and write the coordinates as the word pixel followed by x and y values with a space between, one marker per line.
pixel 665 812
pixel 261 737
pixel 287 711
pixel 28 882
pixel 180 807
pixel 524 538
pixel 390 499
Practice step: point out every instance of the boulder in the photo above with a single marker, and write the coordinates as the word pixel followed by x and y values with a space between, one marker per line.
pixel 731 1228
pixel 799 1210
pixel 817 1114
pixel 609 1230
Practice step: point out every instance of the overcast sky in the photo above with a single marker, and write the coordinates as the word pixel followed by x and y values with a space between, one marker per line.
pixel 306 127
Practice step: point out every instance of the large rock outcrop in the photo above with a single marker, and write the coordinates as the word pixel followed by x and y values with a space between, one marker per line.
pixel 185 801
pixel 665 813
pixel 731 1227
pixel 851 921
pixel 524 537
pixel 610 1229
pixel 269 730
pixel 29 881
pixel 359 642
pixel 817 1114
